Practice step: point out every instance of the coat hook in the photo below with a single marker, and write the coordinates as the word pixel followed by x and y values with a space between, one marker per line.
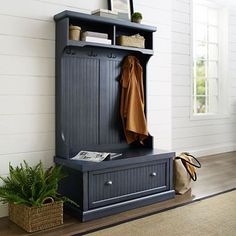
pixel 111 55
pixel 68 51
pixel 92 54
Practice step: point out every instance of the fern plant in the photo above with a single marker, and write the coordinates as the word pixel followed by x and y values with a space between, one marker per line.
pixel 31 185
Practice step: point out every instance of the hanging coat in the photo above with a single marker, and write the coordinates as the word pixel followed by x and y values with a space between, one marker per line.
pixel 132 101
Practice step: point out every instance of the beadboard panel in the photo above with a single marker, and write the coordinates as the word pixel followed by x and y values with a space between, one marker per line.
pixel 27 85
pixel 26 142
pixel 29 123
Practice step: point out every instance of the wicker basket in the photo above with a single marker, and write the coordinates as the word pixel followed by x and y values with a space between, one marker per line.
pixel 131 41
pixel 33 219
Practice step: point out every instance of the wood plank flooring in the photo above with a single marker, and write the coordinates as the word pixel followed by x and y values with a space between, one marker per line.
pixel 218 174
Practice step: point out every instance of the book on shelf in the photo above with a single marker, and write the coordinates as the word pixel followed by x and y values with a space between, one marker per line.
pixel 96 40
pixel 94 34
pixel 105 13
pixel 95 156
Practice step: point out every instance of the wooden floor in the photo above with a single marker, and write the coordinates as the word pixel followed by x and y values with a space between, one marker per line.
pixel 218 174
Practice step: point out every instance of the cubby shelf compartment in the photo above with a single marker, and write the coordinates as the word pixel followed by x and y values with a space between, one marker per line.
pixel 113 27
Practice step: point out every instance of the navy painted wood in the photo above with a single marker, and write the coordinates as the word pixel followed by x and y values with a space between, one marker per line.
pixel 131 181
pixel 129 156
pixel 119 184
pixel 119 207
pixel 95 20
pixel 88 118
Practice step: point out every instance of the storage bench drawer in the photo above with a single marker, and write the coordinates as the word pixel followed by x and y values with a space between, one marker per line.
pixel 124 183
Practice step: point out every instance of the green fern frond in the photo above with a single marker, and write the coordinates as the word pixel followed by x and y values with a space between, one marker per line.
pixel 31 185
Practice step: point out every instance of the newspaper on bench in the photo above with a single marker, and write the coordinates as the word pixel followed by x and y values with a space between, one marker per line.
pixel 95 156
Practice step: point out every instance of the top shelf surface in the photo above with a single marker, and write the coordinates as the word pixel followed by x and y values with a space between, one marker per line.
pixel 104 20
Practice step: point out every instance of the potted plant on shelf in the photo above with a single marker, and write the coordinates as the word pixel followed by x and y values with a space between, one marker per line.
pixel 136 17
pixel 31 192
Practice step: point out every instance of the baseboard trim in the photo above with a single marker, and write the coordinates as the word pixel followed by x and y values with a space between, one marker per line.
pixel 213 150
pixel 3 210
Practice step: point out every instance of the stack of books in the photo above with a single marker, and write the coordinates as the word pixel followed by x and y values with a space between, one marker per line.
pixel 95 37
pixel 105 13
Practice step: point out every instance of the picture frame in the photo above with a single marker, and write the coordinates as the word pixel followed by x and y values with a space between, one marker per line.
pixel 124 8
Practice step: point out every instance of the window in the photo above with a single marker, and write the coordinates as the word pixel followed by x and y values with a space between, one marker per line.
pixel 207 58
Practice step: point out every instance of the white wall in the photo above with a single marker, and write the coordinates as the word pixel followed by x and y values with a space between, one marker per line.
pixel 159 13
pixel 27 76
pixel 202 137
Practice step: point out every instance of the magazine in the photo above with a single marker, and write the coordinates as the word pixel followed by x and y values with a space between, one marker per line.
pixel 95 156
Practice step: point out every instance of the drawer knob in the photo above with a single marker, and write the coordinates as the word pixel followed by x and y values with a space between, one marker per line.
pixel 109 182
pixel 153 174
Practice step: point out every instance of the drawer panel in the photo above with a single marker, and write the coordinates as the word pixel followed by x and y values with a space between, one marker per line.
pixel 120 184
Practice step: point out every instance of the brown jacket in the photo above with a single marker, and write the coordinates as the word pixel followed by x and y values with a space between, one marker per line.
pixel 132 101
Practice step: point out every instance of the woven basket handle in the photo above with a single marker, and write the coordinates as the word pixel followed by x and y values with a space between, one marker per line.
pixel 48 200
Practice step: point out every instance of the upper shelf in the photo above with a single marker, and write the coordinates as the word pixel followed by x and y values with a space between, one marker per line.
pixel 103 20
pixel 112 27
pixel 84 44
